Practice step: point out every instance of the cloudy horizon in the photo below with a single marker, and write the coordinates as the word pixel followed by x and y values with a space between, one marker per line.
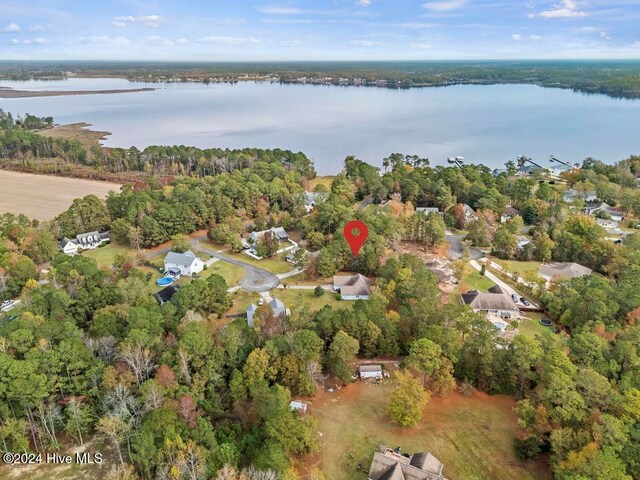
pixel 291 30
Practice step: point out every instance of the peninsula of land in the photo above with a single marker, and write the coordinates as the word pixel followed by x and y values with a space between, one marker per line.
pixel 11 93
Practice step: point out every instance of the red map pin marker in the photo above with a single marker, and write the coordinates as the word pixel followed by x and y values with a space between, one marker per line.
pixel 356 241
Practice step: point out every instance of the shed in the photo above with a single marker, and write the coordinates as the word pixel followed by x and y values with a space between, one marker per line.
pixel 370 371
pixel 297 406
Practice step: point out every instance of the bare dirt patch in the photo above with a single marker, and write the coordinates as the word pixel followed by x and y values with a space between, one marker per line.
pixel 43 197
pixel 76 131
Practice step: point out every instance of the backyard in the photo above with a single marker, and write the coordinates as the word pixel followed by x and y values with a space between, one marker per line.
pixel 296 298
pixel 472 436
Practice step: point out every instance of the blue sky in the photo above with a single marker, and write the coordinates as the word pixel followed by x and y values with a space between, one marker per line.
pixel 319 29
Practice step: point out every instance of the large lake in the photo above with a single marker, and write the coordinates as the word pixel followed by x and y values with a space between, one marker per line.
pixel 485 124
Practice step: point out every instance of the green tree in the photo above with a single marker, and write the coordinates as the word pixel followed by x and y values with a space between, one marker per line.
pixel 407 400
pixel 341 352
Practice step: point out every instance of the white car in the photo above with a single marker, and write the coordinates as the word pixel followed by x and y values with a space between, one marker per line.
pixel 261 302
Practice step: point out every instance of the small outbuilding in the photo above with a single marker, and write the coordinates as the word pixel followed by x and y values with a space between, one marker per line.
pixel 370 371
pixel 298 406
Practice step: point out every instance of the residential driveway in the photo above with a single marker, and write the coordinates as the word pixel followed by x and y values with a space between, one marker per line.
pixel 256 280
pixel 505 286
pixel 456 250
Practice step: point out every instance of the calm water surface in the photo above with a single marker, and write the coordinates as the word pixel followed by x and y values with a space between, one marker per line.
pixel 485 124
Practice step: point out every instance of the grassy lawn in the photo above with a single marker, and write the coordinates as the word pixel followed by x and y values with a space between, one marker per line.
pixel 296 298
pixel 241 300
pixel 477 282
pixel 471 436
pixel 104 255
pixel 522 269
pixel 231 273
pixel 531 325
pixel 326 181
pixel 275 264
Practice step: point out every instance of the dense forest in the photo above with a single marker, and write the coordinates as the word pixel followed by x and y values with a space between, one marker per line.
pixel 620 79
pixel 180 392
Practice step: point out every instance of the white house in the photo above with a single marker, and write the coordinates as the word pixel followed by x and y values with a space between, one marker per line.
pixel 469 213
pixel 279 233
pixel 614 213
pixel 508 214
pixel 311 199
pixel 186 263
pixel 426 211
pixel 83 241
pixel 68 246
pixel 352 287
pixel 370 371
pixel 277 307
pixel 571 194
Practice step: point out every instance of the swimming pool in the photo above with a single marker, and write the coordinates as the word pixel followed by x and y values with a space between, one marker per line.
pixel 164 281
pixel 500 325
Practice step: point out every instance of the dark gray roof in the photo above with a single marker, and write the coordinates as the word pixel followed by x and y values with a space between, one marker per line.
pixel 165 295
pixel 495 299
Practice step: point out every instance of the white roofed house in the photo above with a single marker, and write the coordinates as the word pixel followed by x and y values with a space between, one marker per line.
pixel 278 233
pixel 370 371
pixel 186 263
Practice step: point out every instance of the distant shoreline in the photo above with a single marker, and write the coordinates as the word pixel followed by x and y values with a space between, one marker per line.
pixel 11 93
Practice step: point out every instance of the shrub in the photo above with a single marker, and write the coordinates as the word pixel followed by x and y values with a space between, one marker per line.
pixel 318 291
pixel 526 449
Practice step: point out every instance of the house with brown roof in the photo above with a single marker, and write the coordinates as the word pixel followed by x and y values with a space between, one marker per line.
pixel 495 301
pixel 352 287
pixel 393 465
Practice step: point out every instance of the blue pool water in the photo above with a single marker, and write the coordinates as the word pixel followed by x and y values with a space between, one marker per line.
pixel 164 281
pixel 500 325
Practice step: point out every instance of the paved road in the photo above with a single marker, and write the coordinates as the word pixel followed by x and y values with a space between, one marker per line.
pixel 256 280
pixel 457 249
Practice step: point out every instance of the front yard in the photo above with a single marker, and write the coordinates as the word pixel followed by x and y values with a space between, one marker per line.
pixel 296 299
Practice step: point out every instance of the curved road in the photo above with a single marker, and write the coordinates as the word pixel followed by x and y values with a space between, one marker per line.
pixel 256 280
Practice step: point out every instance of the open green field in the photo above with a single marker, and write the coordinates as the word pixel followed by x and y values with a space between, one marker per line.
pixel 526 270
pixel 531 325
pixel 475 281
pixel 231 273
pixel 296 298
pixel 104 255
pixel 275 264
pixel 327 181
pixel 471 436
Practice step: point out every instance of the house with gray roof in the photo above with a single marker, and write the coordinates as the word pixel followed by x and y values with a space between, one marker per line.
pixel 279 233
pixel 277 307
pixel 570 195
pixel 469 213
pixel 83 241
pixel 393 465
pixel 495 301
pixel 352 287
pixel 186 263
pixel 595 207
pixel 426 211
pixel 563 271
pixel 311 199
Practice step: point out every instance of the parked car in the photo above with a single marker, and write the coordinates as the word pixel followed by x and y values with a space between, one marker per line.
pixel 261 302
pixel 514 297
pixel 525 302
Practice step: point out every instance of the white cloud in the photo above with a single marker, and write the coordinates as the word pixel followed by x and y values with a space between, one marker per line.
pixel 363 3
pixel 182 41
pixel 635 44
pixel 103 40
pixel 565 9
pixel 36 28
pixel 157 41
pixel 12 27
pixel 151 21
pixel 35 41
pixel 420 46
pixel 517 37
pixel 229 41
pixel 604 35
pixel 274 10
pixel 444 6
pixel 364 43
pixel 289 43
pixel 14 41
pixel 535 37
